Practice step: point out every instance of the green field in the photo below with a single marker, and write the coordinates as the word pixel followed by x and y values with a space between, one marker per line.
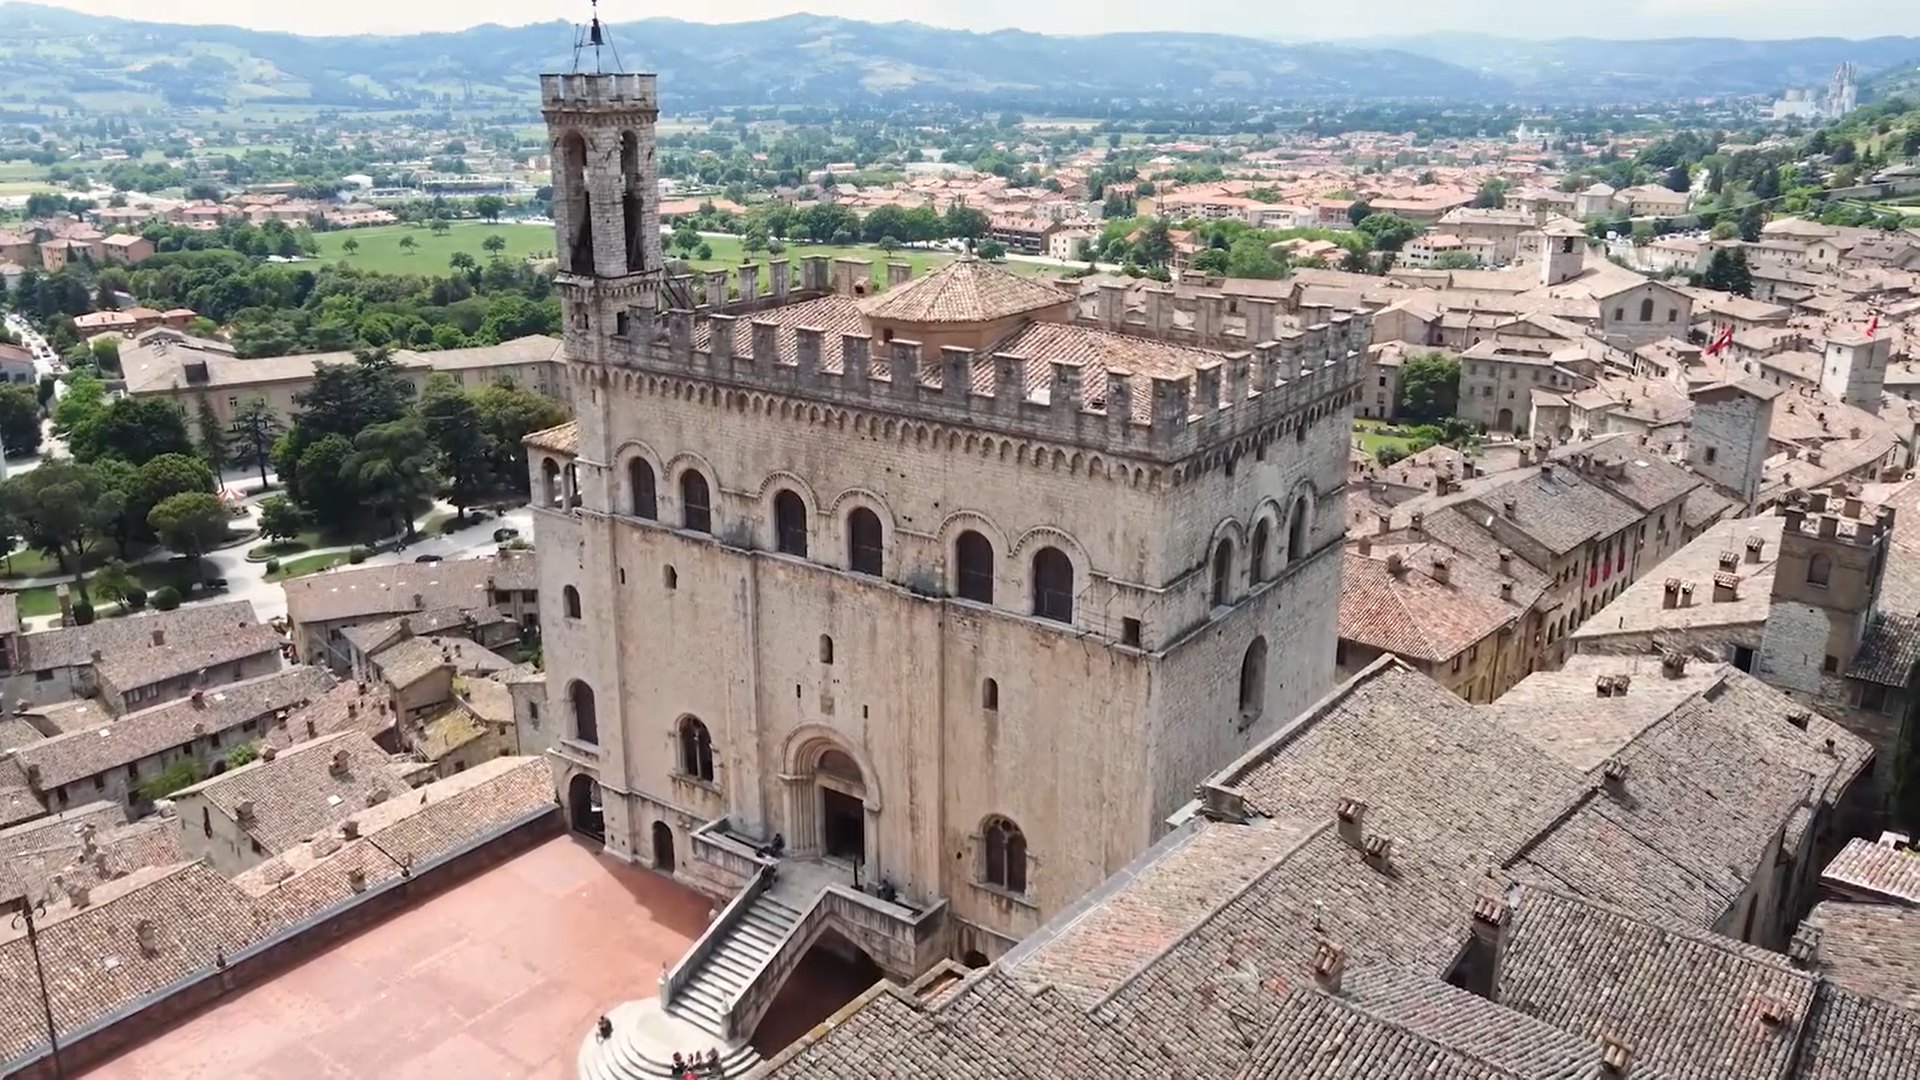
pixel 1373 435
pixel 380 247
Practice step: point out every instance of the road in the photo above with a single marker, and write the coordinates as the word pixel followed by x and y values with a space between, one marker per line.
pixel 45 364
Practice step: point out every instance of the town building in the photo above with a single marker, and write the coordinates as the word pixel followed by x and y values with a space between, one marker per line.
pixel 144 653
pixel 952 514
pixel 323 608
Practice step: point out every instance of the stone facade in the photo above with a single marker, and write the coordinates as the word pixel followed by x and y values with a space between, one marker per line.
pixel 753 599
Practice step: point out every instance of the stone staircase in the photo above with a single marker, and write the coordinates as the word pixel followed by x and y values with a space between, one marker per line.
pixel 736 959
pixel 644 1041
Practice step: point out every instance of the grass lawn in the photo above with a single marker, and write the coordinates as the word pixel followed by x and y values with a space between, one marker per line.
pixel 30 563
pixel 380 247
pixel 175 572
pixel 728 252
pixel 1373 435
pixel 307 564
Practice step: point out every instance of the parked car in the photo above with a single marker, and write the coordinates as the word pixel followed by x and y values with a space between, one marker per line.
pixel 426 558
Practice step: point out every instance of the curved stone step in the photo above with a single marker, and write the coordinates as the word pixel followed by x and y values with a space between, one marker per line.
pixel 643 1043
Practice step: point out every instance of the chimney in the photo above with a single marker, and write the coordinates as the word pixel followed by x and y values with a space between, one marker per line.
pixel 1615 1059
pixel 159 636
pixel 77 893
pixel 199 700
pixel 353 709
pixel 1329 965
pixel 1366 545
pixel 1506 560
pixel 419 601
pixel 1511 507
pixel 310 729
pixel 1686 594
pixel 1223 804
pixel 339 766
pixel 1729 560
pixel 268 753
pixel 1350 819
pixel 350 829
pixel 1800 719
pixel 1774 1012
pixel 1506 590
pixel 147 938
pixel 1481 965
pixel 1672 596
pixel 1804 949
pixel 1415 520
pixel 1726 587
pixel 357 880
pixel 1546 470
pixel 1442 571
pixel 1379 851
pixel 1613 777
pixel 1603 686
pixel 1755 546
pixel 1395 564
pixel 243 813
pixel 1673 664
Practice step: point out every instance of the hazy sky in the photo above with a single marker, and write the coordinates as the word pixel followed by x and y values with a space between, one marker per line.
pixel 1293 19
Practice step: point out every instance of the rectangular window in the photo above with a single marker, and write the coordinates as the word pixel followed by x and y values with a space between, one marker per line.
pixel 1831 665
pixel 1130 632
pixel 1873 698
pixel 1743 658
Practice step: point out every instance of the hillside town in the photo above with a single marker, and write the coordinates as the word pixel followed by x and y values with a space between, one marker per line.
pixel 1270 603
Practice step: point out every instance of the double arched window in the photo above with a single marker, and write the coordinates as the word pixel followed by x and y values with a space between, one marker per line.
pixel 1053 585
pixel 696 749
pixel 1006 855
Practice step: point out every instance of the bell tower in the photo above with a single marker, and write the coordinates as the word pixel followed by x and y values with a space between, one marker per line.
pixel 606 211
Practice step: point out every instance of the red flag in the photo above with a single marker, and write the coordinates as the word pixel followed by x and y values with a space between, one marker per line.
pixel 1874 325
pixel 1721 341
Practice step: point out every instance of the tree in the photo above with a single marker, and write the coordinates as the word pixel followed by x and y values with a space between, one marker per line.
pixel 1491 196
pixel 439 227
pixel 965 222
pixel 991 250
pixel 1677 179
pixel 135 430
pixel 494 244
pixel 166 476
pixel 1155 246
pixel 1211 261
pixel 1358 212
pixel 212 437
pixel 318 480
pixel 703 253
pixel 113 581
pixel 489 207
pixel 407 244
pixel 350 246
pixel 280 518
pixel 463 262
pixel 888 245
pixel 251 436
pixel 1429 387
pixel 509 414
pixel 1728 272
pixel 63 510
pixel 393 467
pixel 1388 232
pixel 190 523
pixel 19 419
pixel 1752 223
pixel 453 425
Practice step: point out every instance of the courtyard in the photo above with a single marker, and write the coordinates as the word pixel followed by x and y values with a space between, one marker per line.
pixel 499 977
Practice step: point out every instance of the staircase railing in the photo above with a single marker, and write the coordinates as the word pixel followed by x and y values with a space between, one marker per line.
pixel 675 978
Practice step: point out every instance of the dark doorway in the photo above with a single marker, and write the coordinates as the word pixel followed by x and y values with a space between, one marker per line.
pixel 843 823
pixel 833 972
pixel 584 809
pixel 663 847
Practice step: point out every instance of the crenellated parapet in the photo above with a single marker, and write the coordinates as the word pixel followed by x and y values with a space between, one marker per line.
pixel 585 93
pixel 1280 385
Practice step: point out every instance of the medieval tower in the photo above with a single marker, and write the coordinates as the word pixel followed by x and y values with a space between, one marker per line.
pixel 956 586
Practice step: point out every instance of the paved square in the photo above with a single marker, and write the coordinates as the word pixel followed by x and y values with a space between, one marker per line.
pixel 498 978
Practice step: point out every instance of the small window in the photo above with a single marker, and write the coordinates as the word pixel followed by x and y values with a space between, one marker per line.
pixel 1130 632
pixel 1831 665
pixel 1819 570
pixel 826 649
pixel 1253 679
pixel 571 597
pixel 789 524
pixel 696 506
pixel 670 578
pixel 206 822
pixel 1713 453
pixel 990 694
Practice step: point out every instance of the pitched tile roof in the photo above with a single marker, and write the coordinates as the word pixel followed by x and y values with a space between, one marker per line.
pixel 1871 949
pixel 1888 650
pixel 118 850
pixel 390 590
pixel 304 789
pixel 77 755
pixel 347 707
pixel 1851 1037
pixel 133 665
pixel 1875 870
pixel 563 439
pixel 964 291
pixel 1409 613
pixel 74 646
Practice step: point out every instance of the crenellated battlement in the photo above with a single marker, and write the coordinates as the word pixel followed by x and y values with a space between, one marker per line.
pixel 1290 380
pixel 586 92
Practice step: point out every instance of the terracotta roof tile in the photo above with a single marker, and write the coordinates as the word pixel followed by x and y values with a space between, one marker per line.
pixel 964 291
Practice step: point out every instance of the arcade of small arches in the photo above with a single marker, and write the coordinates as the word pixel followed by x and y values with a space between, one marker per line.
pixel 1241 561
pixel 957 439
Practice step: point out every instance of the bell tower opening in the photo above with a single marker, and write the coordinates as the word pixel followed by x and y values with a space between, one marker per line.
pixel 570 169
pixel 601 129
pixel 633 202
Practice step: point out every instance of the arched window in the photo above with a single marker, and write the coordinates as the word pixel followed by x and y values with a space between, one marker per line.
pixel 696 504
pixel 670 578
pixel 586 722
pixel 1297 529
pixel 864 542
pixel 631 215
pixel 573 484
pixel 550 482
pixel 1006 855
pixel 826 649
pixel 696 749
pixel 1053 585
pixel 571 170
pixel 1646 310
pixel 789 524
pixel 571 597
pixel 646 503
pixel 973 557
pixel 1223 573
pixel 1819 569
pixel 990 694
pixel 1253 679
pixel 1257 554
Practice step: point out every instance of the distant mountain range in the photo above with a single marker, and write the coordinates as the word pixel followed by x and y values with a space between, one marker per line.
pixel 54 55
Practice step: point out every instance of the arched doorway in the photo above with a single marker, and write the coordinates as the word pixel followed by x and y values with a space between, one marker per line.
pixel 584 812
pixel 1503 420
pixel 843 809
pixel 663 847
